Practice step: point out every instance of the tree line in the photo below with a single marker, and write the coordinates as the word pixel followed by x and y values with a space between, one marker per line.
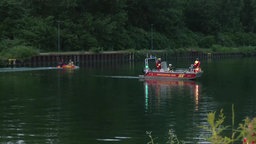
pixel 95 25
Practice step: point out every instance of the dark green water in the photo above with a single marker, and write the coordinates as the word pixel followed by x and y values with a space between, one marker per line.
pixel 109 104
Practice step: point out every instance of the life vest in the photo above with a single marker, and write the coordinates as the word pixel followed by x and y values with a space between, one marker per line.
pixel 158 65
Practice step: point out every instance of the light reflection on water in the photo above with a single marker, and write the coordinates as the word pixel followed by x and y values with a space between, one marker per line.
pixel 161 93
pixel 162 88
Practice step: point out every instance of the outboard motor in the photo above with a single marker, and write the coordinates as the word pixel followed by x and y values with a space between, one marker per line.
pixel 191 67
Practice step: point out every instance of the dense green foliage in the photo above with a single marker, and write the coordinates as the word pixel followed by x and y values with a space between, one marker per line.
pixel 89 25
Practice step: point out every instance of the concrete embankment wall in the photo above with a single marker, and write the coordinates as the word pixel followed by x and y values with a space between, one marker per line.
pixel 88 59
pixel 46 59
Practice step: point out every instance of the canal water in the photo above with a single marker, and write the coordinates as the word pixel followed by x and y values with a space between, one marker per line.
pixel 107 103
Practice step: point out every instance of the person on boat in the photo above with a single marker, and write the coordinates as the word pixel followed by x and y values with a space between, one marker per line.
pixel 197 65
pixel 61 63
pixel 170 67
pixel 70 62
pixel 158 64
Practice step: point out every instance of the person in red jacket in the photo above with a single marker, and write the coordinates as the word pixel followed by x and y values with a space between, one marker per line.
pixel 158 64
pixel 197 65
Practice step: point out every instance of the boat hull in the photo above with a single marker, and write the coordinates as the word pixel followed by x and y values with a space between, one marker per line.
pixel 171 75
pixel 68 67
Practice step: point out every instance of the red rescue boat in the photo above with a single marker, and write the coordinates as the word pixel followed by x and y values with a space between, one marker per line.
pixel 165 73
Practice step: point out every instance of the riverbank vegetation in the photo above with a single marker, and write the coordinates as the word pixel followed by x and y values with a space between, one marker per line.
pixel 244 133
pixel 113 25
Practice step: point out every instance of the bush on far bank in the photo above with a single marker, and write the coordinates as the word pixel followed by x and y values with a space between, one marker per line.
pixel 16 49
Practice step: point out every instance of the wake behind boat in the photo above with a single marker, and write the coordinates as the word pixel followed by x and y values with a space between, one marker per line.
pixel 193 72
pixel 20 69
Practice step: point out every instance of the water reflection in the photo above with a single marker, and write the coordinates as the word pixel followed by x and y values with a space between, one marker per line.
pixel 162 89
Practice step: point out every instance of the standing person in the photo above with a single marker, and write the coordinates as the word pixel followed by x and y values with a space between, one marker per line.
pixel 158 64
pixel 197 65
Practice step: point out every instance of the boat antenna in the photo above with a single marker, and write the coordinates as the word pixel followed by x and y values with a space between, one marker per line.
pixel 152 37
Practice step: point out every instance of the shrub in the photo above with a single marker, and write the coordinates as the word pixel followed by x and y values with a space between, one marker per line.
pixel 207 42
pixel 19 52
pixel 245 132
pixel 225 39
pixel 216 128
pixel 96 49
pixel 248 130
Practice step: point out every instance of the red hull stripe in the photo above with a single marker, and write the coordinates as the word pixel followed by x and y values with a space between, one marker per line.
pixel 171 75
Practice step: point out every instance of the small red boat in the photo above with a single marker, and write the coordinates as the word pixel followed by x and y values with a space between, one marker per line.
pixel 67 66
pixel 163 73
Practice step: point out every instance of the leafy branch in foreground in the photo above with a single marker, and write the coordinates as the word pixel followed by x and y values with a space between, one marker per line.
pixel 150 137
pixel 216 128
pixel 246 131
pixel 172 139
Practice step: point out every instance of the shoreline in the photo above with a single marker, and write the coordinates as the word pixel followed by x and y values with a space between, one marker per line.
pixel 115 57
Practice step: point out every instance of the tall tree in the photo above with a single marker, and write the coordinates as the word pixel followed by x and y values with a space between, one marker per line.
pixel 11 11
pixel 202 16
pixel 229 14
pixel 248 15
